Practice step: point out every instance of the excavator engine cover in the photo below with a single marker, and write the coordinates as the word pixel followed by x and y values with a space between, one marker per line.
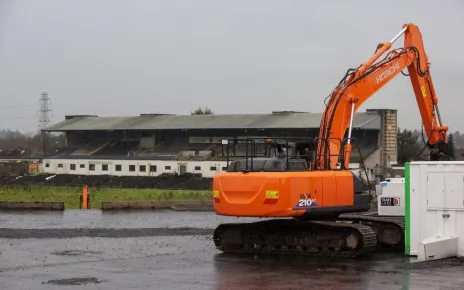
pixel 295 192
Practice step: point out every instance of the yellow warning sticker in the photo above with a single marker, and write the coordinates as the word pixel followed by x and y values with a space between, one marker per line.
pixel 424 94
pixel 274 194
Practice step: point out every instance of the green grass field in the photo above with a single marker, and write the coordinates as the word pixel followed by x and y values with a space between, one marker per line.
pixel 71 195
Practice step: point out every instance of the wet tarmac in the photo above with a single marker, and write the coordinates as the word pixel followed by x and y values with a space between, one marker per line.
pixel 112 219
pixel 183 257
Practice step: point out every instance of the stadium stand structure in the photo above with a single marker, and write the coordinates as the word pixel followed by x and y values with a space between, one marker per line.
pixel 153 144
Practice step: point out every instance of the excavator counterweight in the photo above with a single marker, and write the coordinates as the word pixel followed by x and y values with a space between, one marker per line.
pixel 306 189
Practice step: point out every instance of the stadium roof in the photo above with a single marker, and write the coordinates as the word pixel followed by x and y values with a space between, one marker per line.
pixel 290 120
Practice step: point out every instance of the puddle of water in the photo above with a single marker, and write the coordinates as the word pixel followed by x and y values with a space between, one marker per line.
pixel 74 281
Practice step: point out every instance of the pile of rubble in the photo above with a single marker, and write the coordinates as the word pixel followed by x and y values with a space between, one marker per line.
pixel 186 181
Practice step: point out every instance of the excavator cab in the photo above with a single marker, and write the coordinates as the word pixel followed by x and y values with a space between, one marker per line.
pixel 271 155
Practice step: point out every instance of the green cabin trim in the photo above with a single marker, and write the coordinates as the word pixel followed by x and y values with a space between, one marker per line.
pixel 407 232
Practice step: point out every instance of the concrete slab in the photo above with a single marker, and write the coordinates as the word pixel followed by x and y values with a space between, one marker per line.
pixel 175 205
pixel 31 205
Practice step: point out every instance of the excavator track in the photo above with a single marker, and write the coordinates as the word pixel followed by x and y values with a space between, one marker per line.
pixel 389 230
pixel 294 237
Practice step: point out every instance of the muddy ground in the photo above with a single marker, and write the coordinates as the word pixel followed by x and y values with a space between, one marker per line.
pixel 174 250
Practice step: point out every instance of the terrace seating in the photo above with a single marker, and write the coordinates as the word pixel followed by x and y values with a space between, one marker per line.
pixel 89 148
pixel 117 148
pixel 164 150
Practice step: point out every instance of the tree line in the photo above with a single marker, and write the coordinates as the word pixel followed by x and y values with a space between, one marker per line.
pixel 411 144
pixel 30 145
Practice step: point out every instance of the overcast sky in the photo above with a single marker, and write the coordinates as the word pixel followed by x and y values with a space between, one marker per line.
pixel 114 57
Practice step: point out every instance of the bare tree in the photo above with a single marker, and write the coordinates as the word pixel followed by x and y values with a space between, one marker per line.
pixel 408 146
pixel 200 111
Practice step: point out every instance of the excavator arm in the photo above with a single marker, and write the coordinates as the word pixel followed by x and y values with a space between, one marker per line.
pixel 360 84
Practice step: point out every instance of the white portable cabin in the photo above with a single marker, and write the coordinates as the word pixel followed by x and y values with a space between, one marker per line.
pixel 434 221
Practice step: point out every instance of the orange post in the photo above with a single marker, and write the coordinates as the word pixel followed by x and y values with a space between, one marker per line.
pixel 85 196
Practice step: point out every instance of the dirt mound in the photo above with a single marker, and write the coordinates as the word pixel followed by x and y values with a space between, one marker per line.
pixel 186 181
pixel 7 178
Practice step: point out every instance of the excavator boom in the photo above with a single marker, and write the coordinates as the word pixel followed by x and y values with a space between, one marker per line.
pixel 360 84
pixel 317 195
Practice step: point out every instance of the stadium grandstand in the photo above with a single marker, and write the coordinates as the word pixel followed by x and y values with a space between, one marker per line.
pixel 153 144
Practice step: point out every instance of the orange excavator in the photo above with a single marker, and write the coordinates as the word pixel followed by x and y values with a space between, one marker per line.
pixel 315 206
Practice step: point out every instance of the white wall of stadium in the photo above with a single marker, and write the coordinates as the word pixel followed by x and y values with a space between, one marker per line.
pixel 136 167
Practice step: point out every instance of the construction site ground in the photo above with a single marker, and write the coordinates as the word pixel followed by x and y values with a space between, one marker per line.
pixel 174 250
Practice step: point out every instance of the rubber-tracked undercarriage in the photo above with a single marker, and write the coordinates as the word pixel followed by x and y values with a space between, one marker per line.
pixel 349 237
pixel 389 230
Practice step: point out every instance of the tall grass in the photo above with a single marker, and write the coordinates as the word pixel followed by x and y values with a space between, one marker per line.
pixel 71 195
